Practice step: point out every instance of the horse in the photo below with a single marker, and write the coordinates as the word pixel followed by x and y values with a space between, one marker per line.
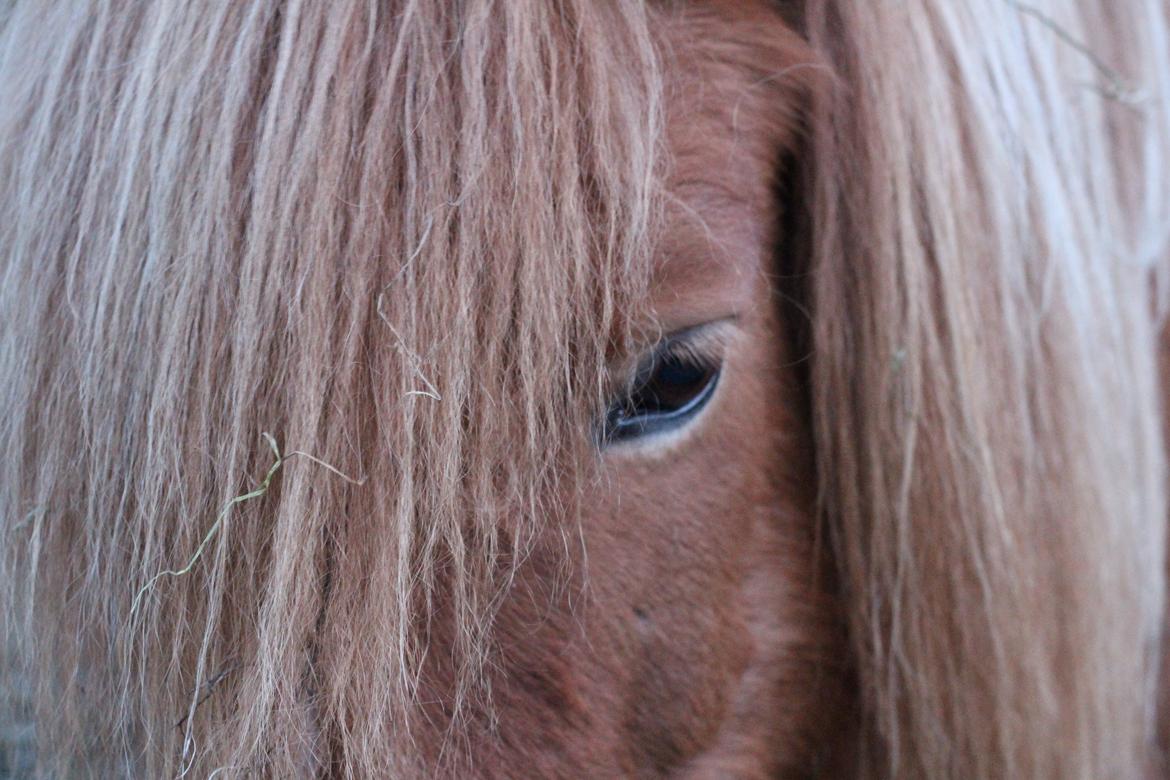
pixel 583 389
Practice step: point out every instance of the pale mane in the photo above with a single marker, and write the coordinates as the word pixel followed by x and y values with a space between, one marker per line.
pixel 334 222
pixel 991 195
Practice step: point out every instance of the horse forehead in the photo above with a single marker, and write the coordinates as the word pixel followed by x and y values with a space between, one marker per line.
pixel 720 212
pixel 730 111
pixel 710 256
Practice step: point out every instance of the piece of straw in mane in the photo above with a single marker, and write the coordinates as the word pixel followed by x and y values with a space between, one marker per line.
pixel 257 492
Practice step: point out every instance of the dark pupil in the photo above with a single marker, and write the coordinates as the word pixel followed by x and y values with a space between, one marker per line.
pixel 673 384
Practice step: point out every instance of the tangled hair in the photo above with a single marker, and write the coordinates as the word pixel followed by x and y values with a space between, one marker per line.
pixel 401 237
pixel 394 235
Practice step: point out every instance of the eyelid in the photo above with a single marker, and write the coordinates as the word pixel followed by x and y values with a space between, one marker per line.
pixel 705 343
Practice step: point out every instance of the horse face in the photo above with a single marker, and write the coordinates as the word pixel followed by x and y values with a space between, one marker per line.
pixel 412 242
pixel 693 638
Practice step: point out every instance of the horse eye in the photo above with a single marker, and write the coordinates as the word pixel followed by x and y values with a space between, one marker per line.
pixel 667 394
